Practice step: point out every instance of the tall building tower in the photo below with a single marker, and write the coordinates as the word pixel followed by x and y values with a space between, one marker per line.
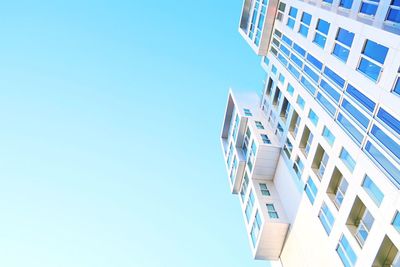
pixel 315 160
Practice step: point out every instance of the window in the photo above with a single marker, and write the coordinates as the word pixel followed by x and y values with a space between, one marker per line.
pixel 279 128
pixel 266 60
pixel 386 141
pixel 264 190
pixel 309 143
pixel 265 139
pixel 311 190
pixel 305 24
pixel 290 89
pixel 296 126
pixel 235 127
pixel 372 59
pixel 329 137
pixel 234 168
pixel 254 19
pixel 322 165
pixel 396 87
pixel 372 190
pixel 350 128
pixel 313 117
pixel 249 206
pixel 340 192
pixel 329 2
pixel 383 162
pixel 287 40
pixel 300 101
pixel 272 212
pixel 259 125
pixel 246 142
pixel 287 148
pixel 315 62
pixel 281 11
pixel 396 221
pixel 281 78
pixel 321 33
pixel 346 4
pixel 364 227
pixel 346 253
pixel 344 40
pixel 247 112
pixel 369 7
pixel 292 17
pixel 392 123
pixel 229 159
pixel 334 77
pixel 330 91
pixel 363 101
pixel 394 11
pixel 347 159
pixel 245 183
pixel 326 218
pixel 298 167
pixel 357 115
pixel 299 50
pixel 274 69
pixel 255 229
pixel 326 104
pixel 260 22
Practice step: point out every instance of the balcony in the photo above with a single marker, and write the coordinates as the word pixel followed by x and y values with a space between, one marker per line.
pixel 256 23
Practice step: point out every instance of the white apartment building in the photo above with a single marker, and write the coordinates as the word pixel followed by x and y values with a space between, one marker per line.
pixel 315 160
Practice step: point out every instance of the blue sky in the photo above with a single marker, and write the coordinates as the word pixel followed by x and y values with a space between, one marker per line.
pixel 111 114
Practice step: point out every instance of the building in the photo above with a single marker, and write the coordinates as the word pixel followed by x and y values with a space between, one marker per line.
pixel 315 160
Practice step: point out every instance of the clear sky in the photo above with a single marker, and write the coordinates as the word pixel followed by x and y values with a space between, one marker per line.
pixel 110 118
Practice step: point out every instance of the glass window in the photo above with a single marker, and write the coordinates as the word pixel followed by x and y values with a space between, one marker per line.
pixel 290 89
pixel 331 75
pixel 313 117
pixel 292 17
pixel 266 60
pixel 361 99
pixel 305 24
pixel 272 212
pixel 331 109
pixel 396 88
pixel 346 4
pixel 381 159
pixel 255 229
pixel 288 148
pixel 364 227
pixel 396 221
pixel 300 101
pixel 373 190
pixel 326 218
pixel 358 116
pixel 249 206
pixel 328 135
pixel 340 192
pixel 234 168
pixel 307 85
pixel 245 183
pixel 298 167
pixel 347 159
pixel 350 128
pixel 346 252
pixel 281 78
pixel 369 7
pixel 372 58
pixel 259 125
pixel 296 60
pixel 330 91
pixel 265 139
pixel 274 69
pixel 315 62
pixel 322 30
pixel 389 120
pixel 344 40
pixel 311 190
pixel 264 190
pixel 287 40
pixel 389 144
pixel 299 49
pixel 394 11
pixel 310 73
pixel 247 112
pixel 294 71
pixel 281 10
pixel 328 1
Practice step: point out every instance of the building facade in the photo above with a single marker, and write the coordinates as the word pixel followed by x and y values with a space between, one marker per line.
pixel 315 160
